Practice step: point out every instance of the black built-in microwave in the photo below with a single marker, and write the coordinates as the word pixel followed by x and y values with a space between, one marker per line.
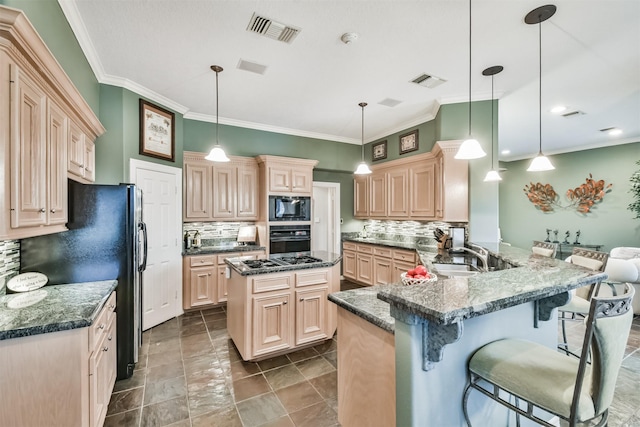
pixel 289 208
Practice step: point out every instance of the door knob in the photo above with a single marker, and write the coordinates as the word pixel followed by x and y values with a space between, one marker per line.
pixel 53 211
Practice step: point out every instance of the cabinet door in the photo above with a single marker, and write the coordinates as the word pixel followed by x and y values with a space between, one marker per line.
pixel 301 180
pixel 57 165
pixel 361 196
pixel 75 150
pixel 223 290
pixel 28 152
pixel 382 271
pixel 364 268
pixel 247 194
pixel 203 286
pixel 279 179
pixel 423 193
pixel 197 192
pixel 89 160
pixel 224 192
pixel 398 205
pixel 311 314
pixel 272 323
pixel 378 195
pixel 400 267
pixel 98 380
pixel 349 265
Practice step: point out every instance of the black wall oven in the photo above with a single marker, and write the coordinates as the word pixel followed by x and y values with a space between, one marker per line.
pixel 289 208
pixel 289 238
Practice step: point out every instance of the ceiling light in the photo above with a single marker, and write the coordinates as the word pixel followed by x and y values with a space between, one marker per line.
pixel 470 148
pixel 505 152
pixel 348 38
pixel 217 154
pixel 558 109
pixel 537 16
pixel 493 174
pixel 612 131
pixel 362 169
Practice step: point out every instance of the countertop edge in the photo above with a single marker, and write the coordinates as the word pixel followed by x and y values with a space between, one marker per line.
pixel 375 320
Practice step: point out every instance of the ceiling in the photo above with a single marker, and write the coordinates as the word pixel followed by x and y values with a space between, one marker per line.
pixel 163 50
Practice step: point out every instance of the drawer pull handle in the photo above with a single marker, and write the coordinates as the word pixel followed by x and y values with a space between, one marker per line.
pixel 43 210
pixel 105 349
pixel 53 211
pixel 101 326
pixel 284 303
pixel 301 299
pixel 109 338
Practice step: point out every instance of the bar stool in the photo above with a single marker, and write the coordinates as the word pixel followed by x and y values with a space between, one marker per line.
pixel 546 249
pixel 578 306
pixel 572 389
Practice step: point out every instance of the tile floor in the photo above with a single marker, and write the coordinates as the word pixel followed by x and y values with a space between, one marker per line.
pixel 191 375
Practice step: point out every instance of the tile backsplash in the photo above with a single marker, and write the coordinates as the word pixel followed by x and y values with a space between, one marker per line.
pixel 215 230
pixel 9 260
pixel 407 231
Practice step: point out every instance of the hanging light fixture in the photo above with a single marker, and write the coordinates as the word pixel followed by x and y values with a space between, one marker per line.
pixel 493 174
pixel 363 168
pixel 217 154
pixel 537 16
pixel 470 148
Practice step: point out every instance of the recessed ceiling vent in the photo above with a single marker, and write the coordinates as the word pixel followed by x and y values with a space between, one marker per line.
pixel 252 67
pixel 573 114
pixel 428 80
pixel 272 29
pixel 389 102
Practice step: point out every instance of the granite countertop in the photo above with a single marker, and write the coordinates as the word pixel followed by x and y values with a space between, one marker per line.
pixel 222 248
pixel 453 299
pixel 329 259
pixel 52 308
pixel 364 303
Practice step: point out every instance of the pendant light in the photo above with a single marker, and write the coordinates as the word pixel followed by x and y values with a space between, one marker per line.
pixel 540 163
pixel 217 154
pixel 493 174
pixel 470 148
pixel 362 169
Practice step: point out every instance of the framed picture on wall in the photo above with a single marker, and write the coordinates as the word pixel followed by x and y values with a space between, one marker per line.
pixel 379 150
pixel 409 142
pixel 157 131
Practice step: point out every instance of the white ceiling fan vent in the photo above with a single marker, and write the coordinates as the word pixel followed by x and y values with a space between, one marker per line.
pixel 428 80
pixel 573 114
pixel 273 30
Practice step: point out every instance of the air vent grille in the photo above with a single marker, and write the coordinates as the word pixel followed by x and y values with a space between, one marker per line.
pixel 389 102
pixel 573 114
pixel 252 67
pixel 272 29
pixel 428 80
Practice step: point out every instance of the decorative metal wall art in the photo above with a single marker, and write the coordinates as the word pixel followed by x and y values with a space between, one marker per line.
pixel 581 198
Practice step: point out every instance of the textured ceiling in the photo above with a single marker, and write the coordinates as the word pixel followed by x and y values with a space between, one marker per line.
pixel 164 49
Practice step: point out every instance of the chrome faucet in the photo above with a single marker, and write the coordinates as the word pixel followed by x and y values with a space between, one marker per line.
pixel 482 254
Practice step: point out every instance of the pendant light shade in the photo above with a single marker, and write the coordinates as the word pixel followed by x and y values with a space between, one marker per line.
pixel 363 168
pixel 537 16
pixel 470 149
pixel 493 174
pixel 217 154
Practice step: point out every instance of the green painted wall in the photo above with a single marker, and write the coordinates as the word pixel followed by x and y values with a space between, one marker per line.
pixel 426 139
pixel 49 21
pixel 610 223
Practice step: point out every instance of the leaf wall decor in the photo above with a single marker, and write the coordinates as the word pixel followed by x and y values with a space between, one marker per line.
pixel 581 198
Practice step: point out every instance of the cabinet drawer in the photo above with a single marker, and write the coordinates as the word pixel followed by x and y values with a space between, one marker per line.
pixel 406 256
pixel 382 252
pixel 313 277
pixel 365 249
pixel 224 256
pixel 271 283
pixel 202 260
pixel 102 322
pixel 348 246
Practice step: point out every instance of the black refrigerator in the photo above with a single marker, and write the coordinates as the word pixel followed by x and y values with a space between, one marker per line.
pixel 107 239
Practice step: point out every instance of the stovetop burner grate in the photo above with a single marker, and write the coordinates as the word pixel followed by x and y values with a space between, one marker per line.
pixel 304 259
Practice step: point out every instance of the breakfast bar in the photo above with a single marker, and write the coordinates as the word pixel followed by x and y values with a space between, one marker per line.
pixel 437 326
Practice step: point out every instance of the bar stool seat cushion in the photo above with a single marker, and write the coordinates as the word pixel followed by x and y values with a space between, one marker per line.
pixel 535 373
pixel 576 304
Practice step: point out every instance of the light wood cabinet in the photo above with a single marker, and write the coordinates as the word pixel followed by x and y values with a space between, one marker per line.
pixel 220 192
pixel 375 264
pixel 81 155
pixel 35 132
pixel 349 264
pixel 60 378
pixel 271 314
pixel 364 268
pixel 430 186
pixel 287 175
pixel 205 278
pixel 382 271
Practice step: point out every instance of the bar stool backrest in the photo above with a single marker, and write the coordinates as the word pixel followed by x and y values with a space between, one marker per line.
pixel 588 258
pixel 547 249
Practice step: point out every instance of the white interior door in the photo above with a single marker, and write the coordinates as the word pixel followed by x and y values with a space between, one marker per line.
pixel 325 228
pixel 162 280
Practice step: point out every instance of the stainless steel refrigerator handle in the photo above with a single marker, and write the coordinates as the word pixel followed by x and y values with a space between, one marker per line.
pixel 143 226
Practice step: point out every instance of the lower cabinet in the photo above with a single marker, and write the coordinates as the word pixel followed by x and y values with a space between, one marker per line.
pixel 205 278
pixel 369 264
pixel 275 313
pixel 60 378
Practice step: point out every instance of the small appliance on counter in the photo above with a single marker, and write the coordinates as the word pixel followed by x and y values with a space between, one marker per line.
pixel 246 235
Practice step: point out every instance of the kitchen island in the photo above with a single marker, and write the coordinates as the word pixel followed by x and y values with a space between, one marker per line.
pixel 280 304
pixel 437 326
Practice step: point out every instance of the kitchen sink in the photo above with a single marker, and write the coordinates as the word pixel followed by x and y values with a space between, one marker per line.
pixel 454 270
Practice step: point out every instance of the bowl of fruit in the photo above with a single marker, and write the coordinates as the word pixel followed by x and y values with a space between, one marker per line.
pixel 418 276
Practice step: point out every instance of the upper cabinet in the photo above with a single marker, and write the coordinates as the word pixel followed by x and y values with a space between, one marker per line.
pixel 220 191
pixel 287 175
pixel 430 186
pixel 41 117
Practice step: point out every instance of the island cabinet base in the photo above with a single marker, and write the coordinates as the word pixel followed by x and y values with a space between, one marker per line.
pixel 276 313
pixel 366 373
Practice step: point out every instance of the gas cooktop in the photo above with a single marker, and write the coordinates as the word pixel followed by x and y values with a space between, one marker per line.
pixel 302 259
pixel 280 261
pixel 261 263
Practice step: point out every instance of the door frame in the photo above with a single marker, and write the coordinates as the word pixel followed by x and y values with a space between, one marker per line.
pixel 135 164
pixel 334 190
